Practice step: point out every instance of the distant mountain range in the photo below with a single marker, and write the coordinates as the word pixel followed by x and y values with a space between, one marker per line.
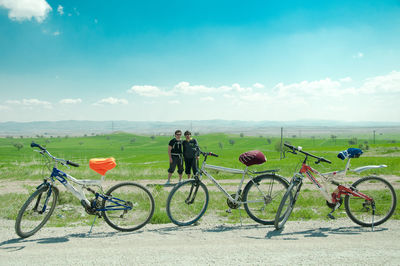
pixel 75 127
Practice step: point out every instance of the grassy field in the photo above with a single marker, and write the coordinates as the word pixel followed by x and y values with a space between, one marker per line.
pixel 145 157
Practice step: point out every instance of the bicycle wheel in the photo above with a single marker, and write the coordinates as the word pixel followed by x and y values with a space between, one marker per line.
pixel 286 206
pixel 36 211
pixel 262 196
pixel 362 211
pixel 187 202
pixel 127 206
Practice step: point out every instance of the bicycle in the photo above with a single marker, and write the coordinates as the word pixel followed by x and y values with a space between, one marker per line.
pixel 126 206
pixel 369 202
pixel 188 200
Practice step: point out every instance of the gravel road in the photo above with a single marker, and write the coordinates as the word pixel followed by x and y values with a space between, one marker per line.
pixel 312 242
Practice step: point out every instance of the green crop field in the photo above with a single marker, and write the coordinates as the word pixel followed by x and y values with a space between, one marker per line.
pixel 145 158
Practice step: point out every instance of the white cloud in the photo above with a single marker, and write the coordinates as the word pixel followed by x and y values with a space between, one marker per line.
pixel 30 103
pixel 207 99
pixel 258 86
pixel 240 89
pixel 346 79
pixel 56 33
pixel 389 83
pixel 148 91
pixel 3 107
pixel 185 87
pixel 112 101
pixel 26 9
pixel 174 102
pixel 71 101
pixel 60 10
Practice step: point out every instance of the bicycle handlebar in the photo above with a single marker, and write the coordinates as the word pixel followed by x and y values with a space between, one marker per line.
pixel 35 145
pixel 207 153
pixel 68 162
pixel 299 149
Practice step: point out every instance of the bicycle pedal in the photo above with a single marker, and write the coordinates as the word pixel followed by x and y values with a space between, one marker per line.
pixel 330 216
pixel 229 211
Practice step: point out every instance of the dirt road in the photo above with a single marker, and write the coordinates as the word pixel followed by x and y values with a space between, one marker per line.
pixel 313 242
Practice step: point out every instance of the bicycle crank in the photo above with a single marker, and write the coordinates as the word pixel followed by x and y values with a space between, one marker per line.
pixel 233 205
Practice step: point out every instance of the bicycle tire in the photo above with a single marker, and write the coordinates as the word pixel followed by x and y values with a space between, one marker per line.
pixel 360 211
pixel 262 195
pixel 182 208
pixel 30 219
pixel 286 206
pixel 129 194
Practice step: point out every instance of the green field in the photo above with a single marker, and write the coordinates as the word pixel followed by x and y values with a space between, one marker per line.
pixel 145 158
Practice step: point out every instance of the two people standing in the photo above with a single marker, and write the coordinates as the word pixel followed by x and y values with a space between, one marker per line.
pixel 179 151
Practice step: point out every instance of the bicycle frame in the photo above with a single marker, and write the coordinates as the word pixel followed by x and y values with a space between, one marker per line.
pixel 78 193
pixel 244 173
pixel 340 190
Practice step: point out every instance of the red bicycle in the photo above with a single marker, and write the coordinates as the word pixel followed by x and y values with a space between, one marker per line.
pixel 370 201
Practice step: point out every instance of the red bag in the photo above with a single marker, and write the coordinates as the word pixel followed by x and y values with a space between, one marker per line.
pixel 101 166
pixel 252 157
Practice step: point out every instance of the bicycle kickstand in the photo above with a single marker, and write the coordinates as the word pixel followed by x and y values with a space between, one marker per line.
pixel 330 215
pixel 94 220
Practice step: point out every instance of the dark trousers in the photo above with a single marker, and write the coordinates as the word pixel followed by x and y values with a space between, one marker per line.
pixel 176 161
pixel 190 164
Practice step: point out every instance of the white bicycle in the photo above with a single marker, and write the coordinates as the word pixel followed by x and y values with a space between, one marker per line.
pixel 188 200
pixel 125 207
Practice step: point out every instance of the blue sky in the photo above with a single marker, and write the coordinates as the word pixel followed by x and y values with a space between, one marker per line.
pixel 179 60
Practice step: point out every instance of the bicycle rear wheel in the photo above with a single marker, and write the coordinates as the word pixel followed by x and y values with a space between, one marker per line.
pixel 367 213
pixel 36 211
pixel 187 202
pixel 286 206
pixel 127 206
pixel 262 196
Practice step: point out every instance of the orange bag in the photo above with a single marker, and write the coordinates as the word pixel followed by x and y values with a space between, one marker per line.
pixel 101 166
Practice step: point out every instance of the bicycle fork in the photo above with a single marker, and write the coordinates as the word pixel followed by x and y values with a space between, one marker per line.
pixel 48 194
pixel 192 194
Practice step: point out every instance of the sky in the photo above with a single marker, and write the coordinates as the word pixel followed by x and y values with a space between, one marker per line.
pixel 199 60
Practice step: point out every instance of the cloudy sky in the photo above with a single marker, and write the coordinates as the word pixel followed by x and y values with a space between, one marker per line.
pixel 178 60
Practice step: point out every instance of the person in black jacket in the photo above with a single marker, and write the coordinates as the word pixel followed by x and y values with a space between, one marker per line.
pixel 190 153
pixel 175 156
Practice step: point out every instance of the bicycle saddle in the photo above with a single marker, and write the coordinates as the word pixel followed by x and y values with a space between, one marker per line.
pixel 252 157
pixel 101 166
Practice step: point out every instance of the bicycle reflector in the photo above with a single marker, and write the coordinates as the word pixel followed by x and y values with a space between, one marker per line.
pixel 101 166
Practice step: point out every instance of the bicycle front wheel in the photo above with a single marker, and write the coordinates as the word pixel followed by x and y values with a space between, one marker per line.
pixel 262 196
pixel 375 212
pixel 187 202
pixel 286 206
pixel 127 206
pixel 36 211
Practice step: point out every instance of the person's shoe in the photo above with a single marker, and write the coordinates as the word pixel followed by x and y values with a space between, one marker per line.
pixel 167 183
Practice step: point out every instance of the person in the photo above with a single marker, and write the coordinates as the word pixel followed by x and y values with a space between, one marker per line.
pixel 175 156
pixel 190 153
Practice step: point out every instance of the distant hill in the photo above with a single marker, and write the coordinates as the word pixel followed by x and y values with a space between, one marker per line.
pixel 74 127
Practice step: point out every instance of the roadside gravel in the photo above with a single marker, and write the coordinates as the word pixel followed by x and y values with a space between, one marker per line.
pixel 309 242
